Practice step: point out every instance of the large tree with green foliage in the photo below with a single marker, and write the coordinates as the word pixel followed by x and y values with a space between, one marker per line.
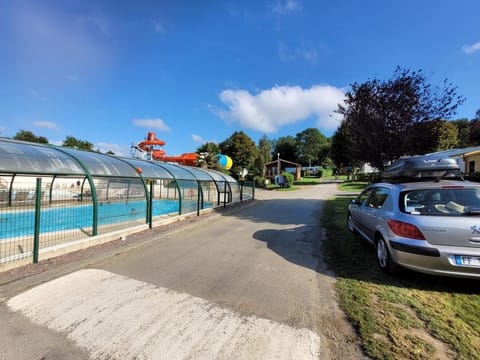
pixel 207 155
pixel 463 129
pixel 26 135
pixel 435 135
pixel 312 147
pixel 343 150
pixel 382 113
pixel 242 149
pixel 286 146
pixel 264 155
pixel 474 130
pixel 75 143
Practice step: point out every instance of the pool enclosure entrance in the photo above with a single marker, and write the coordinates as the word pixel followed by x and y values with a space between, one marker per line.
pixel 53 197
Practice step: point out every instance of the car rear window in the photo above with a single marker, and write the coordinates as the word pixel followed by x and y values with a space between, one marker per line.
pixel 441 201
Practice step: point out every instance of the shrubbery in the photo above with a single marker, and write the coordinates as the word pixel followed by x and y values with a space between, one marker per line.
pixel 288 178
pixel 259 181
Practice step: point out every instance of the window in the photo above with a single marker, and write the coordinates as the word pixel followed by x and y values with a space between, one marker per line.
pixel 445 202
pixel 362 198
pixel 471 166
pixel 378 197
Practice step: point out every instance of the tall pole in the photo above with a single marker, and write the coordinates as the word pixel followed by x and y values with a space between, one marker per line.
pixel 278 163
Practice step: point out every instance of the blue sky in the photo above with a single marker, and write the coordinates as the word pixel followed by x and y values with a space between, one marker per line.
pixel 196 71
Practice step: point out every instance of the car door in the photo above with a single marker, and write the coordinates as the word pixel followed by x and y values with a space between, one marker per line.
pixel 357 211
pixel 373 211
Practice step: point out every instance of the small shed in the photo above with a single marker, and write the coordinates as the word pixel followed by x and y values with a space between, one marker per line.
pixel 472 162
pixel 274 168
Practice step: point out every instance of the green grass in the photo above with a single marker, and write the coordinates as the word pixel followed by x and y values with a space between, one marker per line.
pixel 353 186
pixel 309 180
pixel 408 316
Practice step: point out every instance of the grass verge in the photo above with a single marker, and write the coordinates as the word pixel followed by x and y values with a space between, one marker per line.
pixel 408 316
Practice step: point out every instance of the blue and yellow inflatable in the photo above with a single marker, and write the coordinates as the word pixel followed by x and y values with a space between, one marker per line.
pixel 224 161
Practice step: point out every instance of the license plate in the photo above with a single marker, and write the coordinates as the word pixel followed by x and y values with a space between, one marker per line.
pixel 467 260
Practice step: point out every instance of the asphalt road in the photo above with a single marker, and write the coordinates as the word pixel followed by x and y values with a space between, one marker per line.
pixel 248 284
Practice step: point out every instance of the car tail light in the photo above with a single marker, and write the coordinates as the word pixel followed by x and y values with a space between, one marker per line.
pixel 404 229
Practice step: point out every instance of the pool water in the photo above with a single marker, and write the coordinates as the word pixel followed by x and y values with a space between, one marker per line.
pixel 13 224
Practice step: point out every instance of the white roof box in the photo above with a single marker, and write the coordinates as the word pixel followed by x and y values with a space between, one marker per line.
pixel 417 167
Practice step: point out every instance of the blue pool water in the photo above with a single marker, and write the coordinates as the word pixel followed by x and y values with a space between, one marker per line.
pixel 21 223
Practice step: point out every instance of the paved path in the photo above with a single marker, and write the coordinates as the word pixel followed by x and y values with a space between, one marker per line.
pixel 249 284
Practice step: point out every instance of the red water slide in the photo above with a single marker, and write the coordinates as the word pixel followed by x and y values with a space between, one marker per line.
pixel 152 144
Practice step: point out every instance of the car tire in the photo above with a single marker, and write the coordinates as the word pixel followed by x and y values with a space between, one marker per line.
pixel 384 258
pixel 350 226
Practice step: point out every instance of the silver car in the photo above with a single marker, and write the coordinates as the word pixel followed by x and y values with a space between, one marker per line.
pixel 431 227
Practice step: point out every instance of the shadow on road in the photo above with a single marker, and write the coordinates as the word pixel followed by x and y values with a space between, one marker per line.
pixel 294 245
pixel 276 211
pixel 303 243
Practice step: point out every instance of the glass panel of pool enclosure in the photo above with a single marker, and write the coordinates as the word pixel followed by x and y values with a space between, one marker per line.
pixel 55 197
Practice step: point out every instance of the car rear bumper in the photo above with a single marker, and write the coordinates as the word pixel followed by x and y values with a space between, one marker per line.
pixel 434 260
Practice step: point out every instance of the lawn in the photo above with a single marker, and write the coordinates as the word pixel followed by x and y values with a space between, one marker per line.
pixel 408 316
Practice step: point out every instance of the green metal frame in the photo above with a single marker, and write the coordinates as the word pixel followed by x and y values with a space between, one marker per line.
pixel 89 177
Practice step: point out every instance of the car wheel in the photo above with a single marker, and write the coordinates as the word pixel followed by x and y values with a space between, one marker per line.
pixel 350 226
pixel 384 258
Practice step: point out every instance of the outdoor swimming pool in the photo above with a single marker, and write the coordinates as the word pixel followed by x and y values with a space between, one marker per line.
pixel 15 224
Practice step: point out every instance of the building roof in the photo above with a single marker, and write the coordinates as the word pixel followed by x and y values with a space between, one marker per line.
pixel 456 152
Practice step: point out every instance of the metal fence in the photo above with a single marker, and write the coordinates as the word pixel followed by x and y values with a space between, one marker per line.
pixel 42 213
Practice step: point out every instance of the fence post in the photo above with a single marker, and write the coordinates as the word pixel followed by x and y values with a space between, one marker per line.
pixel 242 184
pixel 150 206
pixel 225 194
pixel 199 188
pixel 36 231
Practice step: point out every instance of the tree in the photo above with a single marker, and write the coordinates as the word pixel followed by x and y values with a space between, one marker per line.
pixel 447 135
pixel 463 128
pixel 286 146
pixel 381 114
pixel 474 130
pixel 343 149
pixel 310 146
pixel 26 135
pixel 72 142
pixel 435 135
pixel 264 155
pixel 207 156
pixel 242 149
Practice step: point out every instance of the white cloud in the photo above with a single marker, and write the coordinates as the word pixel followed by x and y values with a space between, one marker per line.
pixel 286 7
pixel 273 108
pixel 115 148
pixel 157 124
pixel 46 125
pixel 197 139
pixel 470 49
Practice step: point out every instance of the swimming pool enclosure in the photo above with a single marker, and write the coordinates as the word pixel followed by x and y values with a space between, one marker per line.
pixel 53 197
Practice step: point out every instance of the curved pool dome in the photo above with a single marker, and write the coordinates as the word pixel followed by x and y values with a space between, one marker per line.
pixel 51 195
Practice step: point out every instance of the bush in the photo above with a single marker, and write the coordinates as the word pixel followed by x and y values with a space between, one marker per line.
pixel 259 181
pixel 368 177
pixel 288 178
